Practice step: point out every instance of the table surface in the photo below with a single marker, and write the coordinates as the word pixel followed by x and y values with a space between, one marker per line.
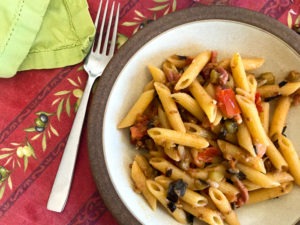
pixel 56 93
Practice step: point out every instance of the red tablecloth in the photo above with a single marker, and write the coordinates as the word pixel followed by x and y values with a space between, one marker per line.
pixel 27 178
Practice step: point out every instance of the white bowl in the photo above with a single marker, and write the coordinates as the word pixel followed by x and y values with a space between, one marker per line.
pixel 187 32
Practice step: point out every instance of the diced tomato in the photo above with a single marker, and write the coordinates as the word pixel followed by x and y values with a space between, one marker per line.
pixel 136 133
pixel 208 154
pixel 258 102
pixel 139 129
pixel 227 102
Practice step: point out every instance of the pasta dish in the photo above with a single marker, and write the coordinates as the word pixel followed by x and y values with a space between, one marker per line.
pixel 207 140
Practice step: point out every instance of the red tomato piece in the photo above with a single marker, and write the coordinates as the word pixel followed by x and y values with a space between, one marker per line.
pixel 227 102
pixel 139 129
pixel 258 102
pixel 208 154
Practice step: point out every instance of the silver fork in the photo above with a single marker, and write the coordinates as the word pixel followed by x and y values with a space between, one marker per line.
pixel 94 65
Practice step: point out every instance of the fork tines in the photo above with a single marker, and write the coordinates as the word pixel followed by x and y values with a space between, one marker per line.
pixel 102 49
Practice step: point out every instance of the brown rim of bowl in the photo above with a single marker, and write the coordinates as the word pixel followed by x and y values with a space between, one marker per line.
pixel 99 100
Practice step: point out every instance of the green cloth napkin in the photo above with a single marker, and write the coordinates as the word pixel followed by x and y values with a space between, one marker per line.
pixel 40 34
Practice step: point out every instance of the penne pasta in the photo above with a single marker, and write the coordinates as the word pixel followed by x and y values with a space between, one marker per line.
pixel 171 151
pixel 252 86
pixel 231 151
pixel 267 91
pixel 157 74
pixel 169 106
pixel 168 169
pixel 179 61
pixel 239 73
pixel 249 63
pixel 223 205
pixel 265 116
pixel 138 108
pixel 190 74
pixel 206 102
pixel 193 128
pixel 264 194
pixel 161 135
pixel 275 157
pixel 160 194
pixel 205 214
pixel 244 139
pixel 279 117
pixel 281 177
pixel 257 177
pixel 139 179
pixel 252 120
pixel 191 197
pixel 162 117
pixel 190 104
pixel 292 158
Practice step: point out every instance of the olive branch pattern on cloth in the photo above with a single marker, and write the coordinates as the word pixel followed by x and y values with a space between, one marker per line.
pixel 140 20
pixel 18 154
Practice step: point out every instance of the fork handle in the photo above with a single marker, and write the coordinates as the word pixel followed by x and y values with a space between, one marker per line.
pixel 62 183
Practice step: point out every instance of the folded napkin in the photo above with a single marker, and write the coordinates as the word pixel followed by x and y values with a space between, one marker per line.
pixel 40 34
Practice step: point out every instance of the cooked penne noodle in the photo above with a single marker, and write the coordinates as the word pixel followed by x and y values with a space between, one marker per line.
pixel 275 157
pixel 210 89
pixel 198 130
pixel 160 194
pixel 203 173
pixel 223 205
pixel 253 63
pixel 257 177
pixel 191 197
pixel 167 167
pixel 169 106
pixel 144 165
pixel 205 214
pixel 264 194
pixel 244 139
pixel 161 135
pixel 218 118
pixel 190 74
pixel 292 158
pixel 281 177
pixel 265 116
pixel 171 151
pixel 162 117
pixel 138 108
pixel 157 74
pixel 190 104
pixel 252 120
pixel 149 86
pixel 279 117
pixel 239 73
pixel 231 151
pixel 249 63
pixel 229 190
pixel 252 86
pixel 206 102
pixel 139 179
pixel 271 90
pixel 179 61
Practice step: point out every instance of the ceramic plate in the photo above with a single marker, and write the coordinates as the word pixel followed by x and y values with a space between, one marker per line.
pixel 187 32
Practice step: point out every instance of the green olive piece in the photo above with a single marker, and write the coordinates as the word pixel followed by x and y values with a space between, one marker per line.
pixel 267 77
pixel 231 126
pixel 214 76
